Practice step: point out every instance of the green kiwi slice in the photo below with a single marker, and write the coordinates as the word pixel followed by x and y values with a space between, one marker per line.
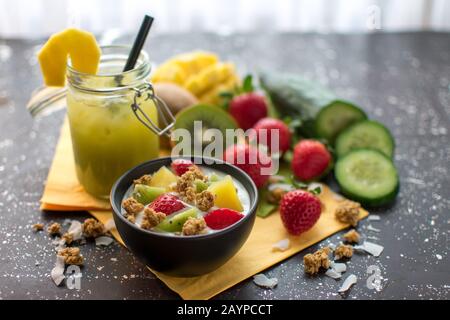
pixel 197 120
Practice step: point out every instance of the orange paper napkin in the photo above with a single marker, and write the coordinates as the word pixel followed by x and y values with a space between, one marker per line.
pixel 63 193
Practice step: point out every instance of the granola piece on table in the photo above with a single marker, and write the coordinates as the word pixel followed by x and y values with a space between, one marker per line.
pixel 319 259
pixel 348 212
pixel 54 229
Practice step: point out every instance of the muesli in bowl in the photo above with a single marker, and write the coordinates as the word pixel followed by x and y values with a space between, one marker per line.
pixel 184 217
pixel 185 200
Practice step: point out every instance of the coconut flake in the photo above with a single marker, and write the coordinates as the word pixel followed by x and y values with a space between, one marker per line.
pixel 277 178
pixel 370 247
pixel 262 281
pixel 57 272
pixel 282 245
pixel 338 267
pixel 103 241
pixel 370 228
pixel 374 217
pixel 348 282
pixel 61 245
pixel 336 270
pixel 110 224
pixel 76 230
pixel 284 186
pixel 333 274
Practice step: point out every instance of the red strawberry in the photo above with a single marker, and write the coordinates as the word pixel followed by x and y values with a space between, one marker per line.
pixel 311 160
pixel 299 211
pixel 221 218
pixel 270 124
pixel 247 109
pixel 181 166
pixel 167 204
pixel 251 160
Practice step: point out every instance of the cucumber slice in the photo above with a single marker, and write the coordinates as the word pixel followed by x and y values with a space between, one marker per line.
pixel 335 118
pixel 175 223
pixel 365 134
pixel 367 176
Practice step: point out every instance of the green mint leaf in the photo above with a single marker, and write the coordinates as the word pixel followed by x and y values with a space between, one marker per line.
pixel 316 191
pixel 248 84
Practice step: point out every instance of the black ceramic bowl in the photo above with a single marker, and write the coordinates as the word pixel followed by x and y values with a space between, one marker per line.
pixel 176 255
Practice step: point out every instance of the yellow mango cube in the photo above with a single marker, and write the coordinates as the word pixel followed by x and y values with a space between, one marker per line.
pixel 226 194
pixel 163 178
pixel 170 72
pixel 82 48
pixel 209 78
pixel 212 96
pixel 194 62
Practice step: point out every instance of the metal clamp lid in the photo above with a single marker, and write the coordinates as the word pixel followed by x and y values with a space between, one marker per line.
pixel 165 115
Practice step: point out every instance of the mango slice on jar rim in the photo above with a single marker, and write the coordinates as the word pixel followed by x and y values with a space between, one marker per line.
pixel 82 48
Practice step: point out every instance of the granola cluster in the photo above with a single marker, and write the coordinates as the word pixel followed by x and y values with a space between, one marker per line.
pixel 145 179
pixel 72 256
pixel 38 227
pixel 190 195
pixel 132 208
pixel 186 181
pixel 348 212
pixel 194 226
pixel 54 229
pixel 204 200
pixel 319 259
pixel 151 218
pixel 93 228
pixel 343 251
pixel 68 238
pixel 352 236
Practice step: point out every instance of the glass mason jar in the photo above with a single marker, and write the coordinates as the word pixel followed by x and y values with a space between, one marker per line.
pixel 108 138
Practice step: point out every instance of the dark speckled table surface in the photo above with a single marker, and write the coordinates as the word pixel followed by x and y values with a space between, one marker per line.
pixel 400 79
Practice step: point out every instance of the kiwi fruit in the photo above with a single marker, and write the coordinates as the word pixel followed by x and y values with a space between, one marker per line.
pixel 211 117
pixel 176 97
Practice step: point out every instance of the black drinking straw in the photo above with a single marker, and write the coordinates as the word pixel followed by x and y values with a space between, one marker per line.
pixel 139 43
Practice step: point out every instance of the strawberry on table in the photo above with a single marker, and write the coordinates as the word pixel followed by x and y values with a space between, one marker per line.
pixel 251 161
pixel 299 211
pixel 311 160
pixel 222 218
pixel 248 108
pixel 181 166
pixel 167 204
pixel 269 124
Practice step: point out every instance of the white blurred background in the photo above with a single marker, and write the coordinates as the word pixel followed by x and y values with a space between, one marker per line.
pixel 39 18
